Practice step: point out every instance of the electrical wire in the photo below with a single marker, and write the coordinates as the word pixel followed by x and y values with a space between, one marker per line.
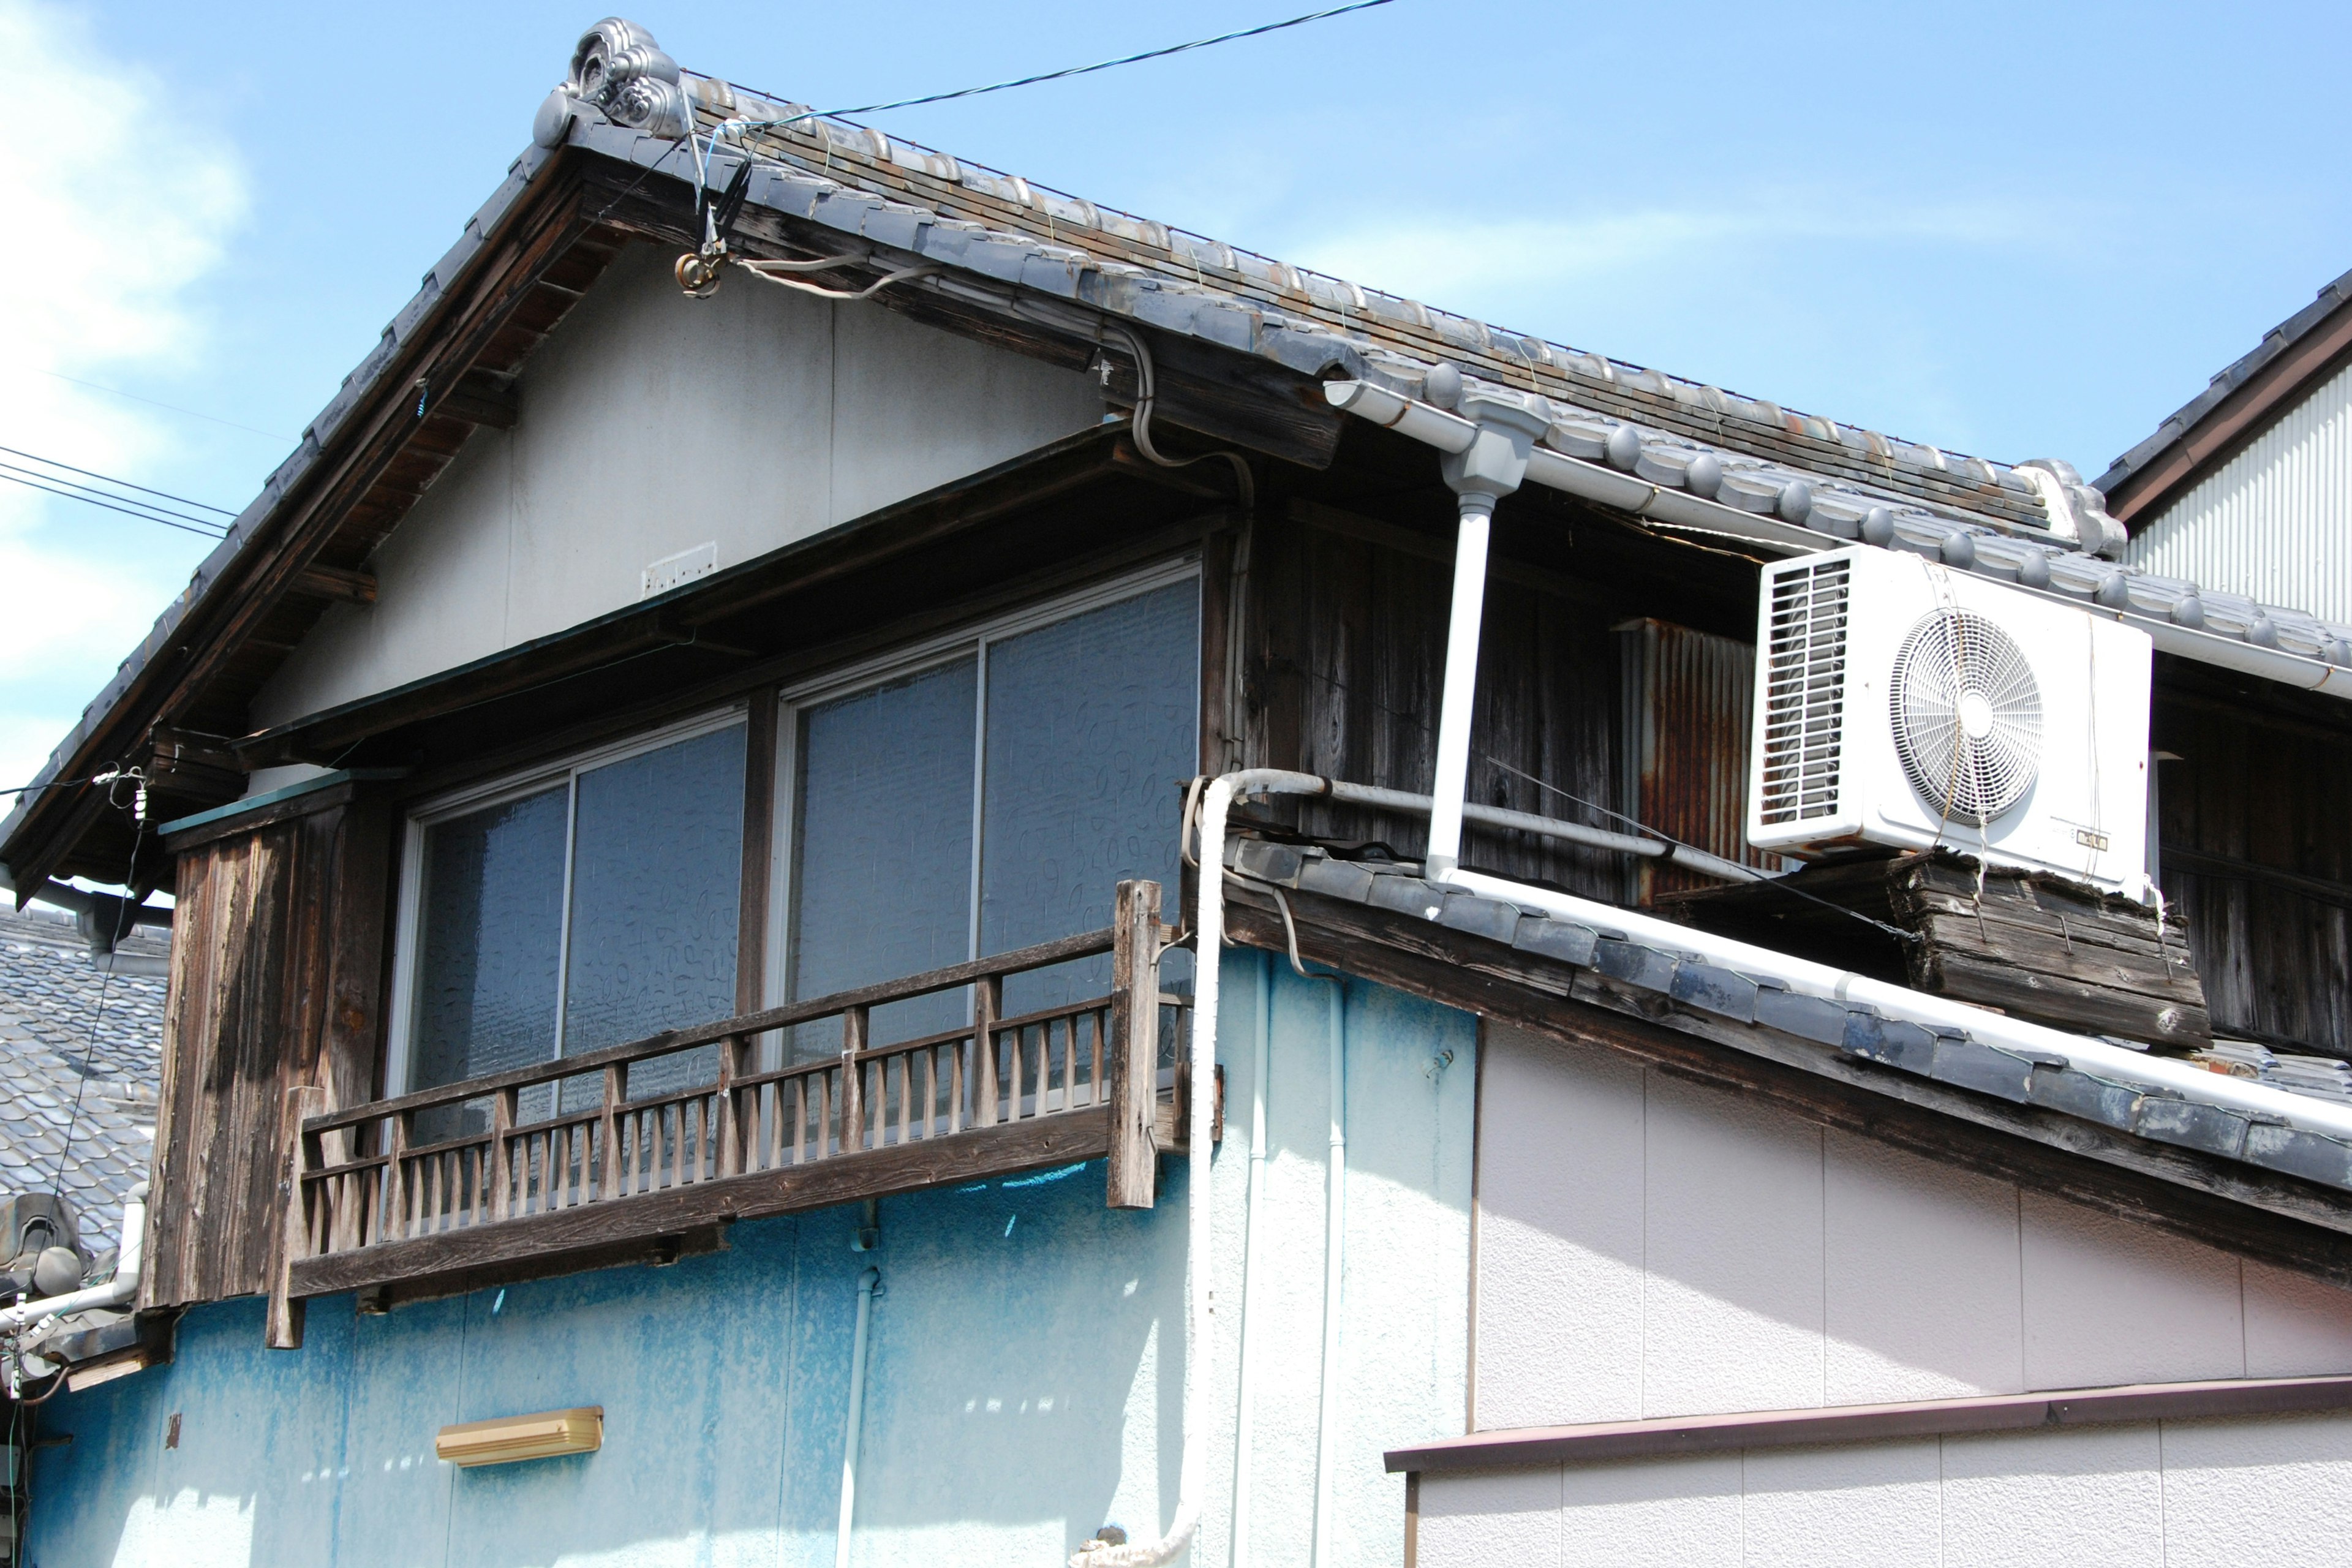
pixel 1162 53
pixel 124 920
pixel 123 484
pixel 55 484
pixel 156 403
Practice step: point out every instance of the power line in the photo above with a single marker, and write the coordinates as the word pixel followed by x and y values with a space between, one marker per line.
pixel 57 484
pixel 1068 71
pixel 154 403
pixel 124 484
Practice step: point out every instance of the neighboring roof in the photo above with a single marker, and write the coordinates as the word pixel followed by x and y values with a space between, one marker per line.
pixel 2233 407
pixel 1000 244
pixel 69 1034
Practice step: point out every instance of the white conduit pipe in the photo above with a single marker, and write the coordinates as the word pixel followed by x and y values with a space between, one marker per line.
pixel 1252 1271
pixel 1335 1209
pixel 1461 684
pixel 850 1431
pixel 117 1292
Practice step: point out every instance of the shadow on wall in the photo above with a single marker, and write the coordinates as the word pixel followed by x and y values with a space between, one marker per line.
pixel 1022 1387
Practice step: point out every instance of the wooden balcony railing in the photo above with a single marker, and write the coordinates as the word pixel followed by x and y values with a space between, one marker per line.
pixel 555 1165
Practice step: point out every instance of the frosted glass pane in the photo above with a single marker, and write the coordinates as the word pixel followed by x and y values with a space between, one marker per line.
pixel 1093 727
pixel 657 888
pixel 882 881
pixel 493 914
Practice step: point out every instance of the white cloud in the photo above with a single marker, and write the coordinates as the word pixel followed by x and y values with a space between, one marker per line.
pixel 119 202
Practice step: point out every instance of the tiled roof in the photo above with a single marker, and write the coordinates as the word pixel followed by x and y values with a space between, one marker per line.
pixel 67 1031
pixel 1856 1029
pixel 2177 425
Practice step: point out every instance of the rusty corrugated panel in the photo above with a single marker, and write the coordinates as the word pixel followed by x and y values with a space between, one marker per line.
pixel 1686 697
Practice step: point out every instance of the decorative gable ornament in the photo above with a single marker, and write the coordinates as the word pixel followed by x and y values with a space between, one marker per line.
pixel 619 72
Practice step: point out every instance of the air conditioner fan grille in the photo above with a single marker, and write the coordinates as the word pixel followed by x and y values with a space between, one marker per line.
pixel 1966 714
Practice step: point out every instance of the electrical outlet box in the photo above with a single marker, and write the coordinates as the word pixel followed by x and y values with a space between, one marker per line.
pixel 671 570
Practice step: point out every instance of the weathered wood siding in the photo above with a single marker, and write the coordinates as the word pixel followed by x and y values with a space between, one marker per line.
pixel 1344 652
pixel 2257 858
pixel 276 959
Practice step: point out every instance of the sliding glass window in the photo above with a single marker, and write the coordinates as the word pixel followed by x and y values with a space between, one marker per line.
pixel 580 907
pixel 986 796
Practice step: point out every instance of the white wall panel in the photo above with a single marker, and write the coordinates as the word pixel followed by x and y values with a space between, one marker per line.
pixel 1841 1508
pixel 1923 1285
pixel 1561 1139
pixel 2276 521
pixel 1680 1513
pixel 1732 1242
pixel 1488 1517
pixel 2108 1302
pixel 2089 1499
pixel 2279 1492
pixel 1647 1246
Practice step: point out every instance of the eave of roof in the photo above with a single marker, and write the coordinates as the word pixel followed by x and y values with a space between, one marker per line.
pixel 2233 407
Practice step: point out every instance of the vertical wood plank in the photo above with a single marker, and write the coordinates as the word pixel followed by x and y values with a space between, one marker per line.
pixel 1134 1166
pixel 283 1329
pixel 504 1106
pixel 855 1023
pixel 987 1006
pixel 609 1127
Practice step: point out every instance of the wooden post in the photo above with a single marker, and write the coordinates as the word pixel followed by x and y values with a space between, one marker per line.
pixel 987 1006
pixel 728 1160
pixel 283 1330
pixel 396 1178
pixel 1135 1046
pixel 853 1021
pixel 503 1106
pixel 608 1126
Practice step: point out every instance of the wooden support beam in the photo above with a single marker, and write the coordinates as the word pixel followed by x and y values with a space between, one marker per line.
pixel 480 398
pixel 1134 1171
pixel 336 582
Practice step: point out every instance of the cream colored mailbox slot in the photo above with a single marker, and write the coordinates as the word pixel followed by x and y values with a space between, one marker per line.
pixel 512 1437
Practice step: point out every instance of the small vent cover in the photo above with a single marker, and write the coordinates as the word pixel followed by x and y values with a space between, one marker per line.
pixel 1804 716
pixel 1967 715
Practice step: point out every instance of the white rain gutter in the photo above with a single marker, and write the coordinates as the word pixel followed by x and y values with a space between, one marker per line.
pixel 857 1417
pixel 1253 1271
pixel 1335 1232
pixel 1452 434
pixel 119 1291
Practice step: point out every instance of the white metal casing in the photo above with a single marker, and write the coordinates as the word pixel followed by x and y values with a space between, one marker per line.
pixel 1825 769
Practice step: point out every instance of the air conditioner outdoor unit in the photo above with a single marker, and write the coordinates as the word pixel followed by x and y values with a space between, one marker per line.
pixel 1901 703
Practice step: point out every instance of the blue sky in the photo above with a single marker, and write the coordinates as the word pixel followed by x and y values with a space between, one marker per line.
pixel 2019 230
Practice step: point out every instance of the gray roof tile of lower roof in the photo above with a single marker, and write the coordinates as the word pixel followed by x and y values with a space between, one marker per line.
pixel 1948 1056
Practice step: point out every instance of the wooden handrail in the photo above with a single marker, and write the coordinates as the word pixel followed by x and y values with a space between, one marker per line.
pixel 670 1042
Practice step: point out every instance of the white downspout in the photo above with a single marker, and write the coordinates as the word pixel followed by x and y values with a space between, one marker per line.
pixel 1252 1271
pixel 1481 474
pixel 1335 1208
pixel 130 1258
pixel 850 1437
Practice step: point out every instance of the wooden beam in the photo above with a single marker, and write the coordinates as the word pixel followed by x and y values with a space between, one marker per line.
pixel 548 1240
pixel 1134 1172
pixel 2204 863
pixel 336 582
pixel 480 398
pixel 2226 1204
pixel 283 1330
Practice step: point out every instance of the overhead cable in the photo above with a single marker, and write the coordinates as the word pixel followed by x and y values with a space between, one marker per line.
pixel 51 476
pixel 1059 74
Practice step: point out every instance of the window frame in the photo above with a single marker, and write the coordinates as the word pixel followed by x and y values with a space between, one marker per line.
pixel 970 639
pixel 400 1027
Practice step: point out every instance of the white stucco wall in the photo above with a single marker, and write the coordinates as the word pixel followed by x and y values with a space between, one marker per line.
pixel 652 423
pixel 2184 1494
pixel 1648 1247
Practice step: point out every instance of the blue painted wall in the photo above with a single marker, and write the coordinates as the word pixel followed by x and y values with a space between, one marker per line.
pixel 1024 1382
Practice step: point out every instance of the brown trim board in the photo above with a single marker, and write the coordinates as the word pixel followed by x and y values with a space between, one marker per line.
pixel 1673 1436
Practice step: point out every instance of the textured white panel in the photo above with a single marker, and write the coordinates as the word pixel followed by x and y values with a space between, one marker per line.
pixel 1923 1290
pixel 1848 1507
pixel 1679 1513
pixel 2276 521
pixel 2294 1324
pixel 2109 1302
pixel 2277 1491
pixel 1560 1234
pixel 1733 1309
pixel 1479 1518
pixel 2085 1499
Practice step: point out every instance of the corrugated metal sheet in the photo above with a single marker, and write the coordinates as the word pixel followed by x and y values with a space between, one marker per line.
pixel 1686 697
pixel 2274 522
